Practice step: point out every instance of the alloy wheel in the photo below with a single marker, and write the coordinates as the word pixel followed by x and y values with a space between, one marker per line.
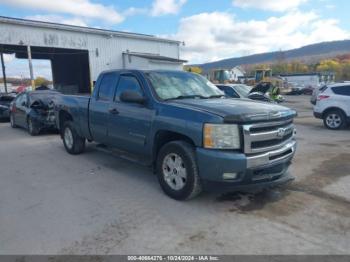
pixel 174 171
pixel 68 138
pixel 333 120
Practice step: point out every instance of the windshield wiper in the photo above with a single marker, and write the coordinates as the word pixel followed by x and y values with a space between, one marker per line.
pixel 184 97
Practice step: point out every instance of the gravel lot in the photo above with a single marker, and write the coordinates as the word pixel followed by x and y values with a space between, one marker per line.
pixel 95 203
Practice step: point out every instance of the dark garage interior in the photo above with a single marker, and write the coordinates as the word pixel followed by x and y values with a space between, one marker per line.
pixel 70 67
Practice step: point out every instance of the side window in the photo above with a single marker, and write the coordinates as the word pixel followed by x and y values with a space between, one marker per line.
pixel 341 90
pixel 20 100
pixel 234 93
pixel 230 92
pixel 127 83
pixel 107 86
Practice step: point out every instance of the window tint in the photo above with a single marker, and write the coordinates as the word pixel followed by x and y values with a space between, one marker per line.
pixel 107 86
pixel 341 90
pixel 127 83
pixel 229 91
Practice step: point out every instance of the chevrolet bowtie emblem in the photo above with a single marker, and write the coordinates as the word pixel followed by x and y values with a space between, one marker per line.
pixel 281 132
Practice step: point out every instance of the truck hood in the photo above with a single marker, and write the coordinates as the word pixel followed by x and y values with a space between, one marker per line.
pixel 239 110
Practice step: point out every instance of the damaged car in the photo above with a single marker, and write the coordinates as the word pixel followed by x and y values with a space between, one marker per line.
pixel 244 91
pixel 5 101
pixel 267 92
pixel 34 111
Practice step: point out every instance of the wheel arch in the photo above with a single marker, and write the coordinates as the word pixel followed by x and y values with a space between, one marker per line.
pixel 163 137
pixel 63 116
pixel 332 108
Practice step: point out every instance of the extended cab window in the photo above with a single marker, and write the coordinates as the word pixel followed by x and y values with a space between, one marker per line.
pixel 107 86
pixel 127 82
pixel 342 90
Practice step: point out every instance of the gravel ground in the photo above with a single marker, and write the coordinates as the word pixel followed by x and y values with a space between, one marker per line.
pixel 95 203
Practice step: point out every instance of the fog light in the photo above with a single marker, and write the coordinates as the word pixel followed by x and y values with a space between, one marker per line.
pixel 226 176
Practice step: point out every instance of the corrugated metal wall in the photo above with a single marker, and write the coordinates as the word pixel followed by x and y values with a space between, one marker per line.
pixel 105 51
pixel 148 64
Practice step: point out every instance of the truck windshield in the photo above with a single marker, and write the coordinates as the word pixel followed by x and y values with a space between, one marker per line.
pixel 181 85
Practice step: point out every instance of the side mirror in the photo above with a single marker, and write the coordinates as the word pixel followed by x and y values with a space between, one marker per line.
pixel 130 96
pixel 24 103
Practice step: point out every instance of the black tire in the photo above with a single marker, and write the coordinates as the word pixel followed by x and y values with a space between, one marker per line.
pixel 12 121
pixel 338 117
pixel 192 184
pixel 32 129
pixel 77 145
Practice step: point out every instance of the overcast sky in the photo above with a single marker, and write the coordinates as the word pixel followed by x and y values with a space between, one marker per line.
pixel 211 30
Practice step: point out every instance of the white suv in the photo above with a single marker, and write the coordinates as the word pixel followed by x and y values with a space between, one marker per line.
pixel 333 105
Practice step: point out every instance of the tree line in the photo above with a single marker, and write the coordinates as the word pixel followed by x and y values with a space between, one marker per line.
pixel 340 65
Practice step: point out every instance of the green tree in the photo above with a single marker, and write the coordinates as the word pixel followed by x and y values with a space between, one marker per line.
pixel 41 81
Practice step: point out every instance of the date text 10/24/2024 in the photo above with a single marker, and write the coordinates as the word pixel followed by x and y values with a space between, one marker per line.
pixel 173 258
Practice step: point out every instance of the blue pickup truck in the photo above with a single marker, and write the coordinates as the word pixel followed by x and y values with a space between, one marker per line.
pixel 183 126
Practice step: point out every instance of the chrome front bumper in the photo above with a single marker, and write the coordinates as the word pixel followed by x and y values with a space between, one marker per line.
pixel 277 156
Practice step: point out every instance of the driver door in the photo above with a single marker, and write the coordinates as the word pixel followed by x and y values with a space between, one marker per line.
pixel 129 123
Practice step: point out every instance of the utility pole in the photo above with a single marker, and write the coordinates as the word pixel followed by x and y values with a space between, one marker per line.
pixel 31 67
pixel 3 70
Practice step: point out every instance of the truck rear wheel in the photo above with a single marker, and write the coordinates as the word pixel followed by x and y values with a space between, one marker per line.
pixel 73 143
pixel 177 170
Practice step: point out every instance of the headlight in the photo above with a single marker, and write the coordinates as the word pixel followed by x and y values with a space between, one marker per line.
pixel 221 136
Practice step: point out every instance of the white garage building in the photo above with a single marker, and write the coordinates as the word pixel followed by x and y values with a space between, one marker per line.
pixel 79 54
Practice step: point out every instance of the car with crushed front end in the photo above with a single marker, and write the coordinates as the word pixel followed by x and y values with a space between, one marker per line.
pixel 235 90
pixel 34 111
pixel 184 127
pixel 243 91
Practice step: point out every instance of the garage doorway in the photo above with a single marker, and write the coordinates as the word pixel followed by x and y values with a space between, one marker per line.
pixel 70 67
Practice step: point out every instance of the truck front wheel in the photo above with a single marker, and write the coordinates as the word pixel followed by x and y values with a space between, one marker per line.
pixel 177 170
pixel 73 143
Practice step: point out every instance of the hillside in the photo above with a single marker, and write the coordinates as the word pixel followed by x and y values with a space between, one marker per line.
pixel 307 54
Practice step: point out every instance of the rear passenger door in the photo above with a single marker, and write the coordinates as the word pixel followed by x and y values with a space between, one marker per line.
pixel 99 106
pixel 130 126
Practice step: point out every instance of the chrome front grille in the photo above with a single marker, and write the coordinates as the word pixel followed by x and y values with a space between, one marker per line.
pixel 263 137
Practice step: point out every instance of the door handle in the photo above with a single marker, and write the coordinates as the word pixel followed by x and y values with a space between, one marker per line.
pixel 113 111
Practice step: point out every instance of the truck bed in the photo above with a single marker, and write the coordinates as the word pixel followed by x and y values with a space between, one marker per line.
pixel 78 106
